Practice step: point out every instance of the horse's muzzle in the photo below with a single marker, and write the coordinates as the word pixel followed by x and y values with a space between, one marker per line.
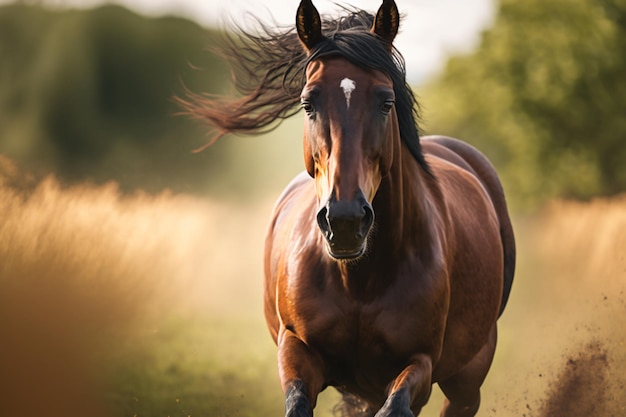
pixel 345 225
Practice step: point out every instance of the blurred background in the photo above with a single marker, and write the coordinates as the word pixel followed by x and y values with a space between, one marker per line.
pixel 131 267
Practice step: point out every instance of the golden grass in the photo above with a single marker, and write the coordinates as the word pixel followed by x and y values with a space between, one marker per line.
pixel 586 240
pixel 83 267
pixel 563 330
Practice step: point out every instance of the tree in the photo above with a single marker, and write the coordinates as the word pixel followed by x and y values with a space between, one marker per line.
pixel 88 94
pixel 544 96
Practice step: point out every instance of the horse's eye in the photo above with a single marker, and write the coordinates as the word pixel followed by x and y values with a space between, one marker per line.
pixel 387 106
pixel 307 106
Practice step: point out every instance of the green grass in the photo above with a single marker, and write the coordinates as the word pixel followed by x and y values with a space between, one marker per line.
pixel 196 367
pixel 200 366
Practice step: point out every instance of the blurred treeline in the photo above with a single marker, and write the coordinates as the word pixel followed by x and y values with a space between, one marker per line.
pixel 88 95
pixel 544 96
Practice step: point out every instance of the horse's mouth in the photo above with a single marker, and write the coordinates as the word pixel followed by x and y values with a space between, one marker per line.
pixel 344 254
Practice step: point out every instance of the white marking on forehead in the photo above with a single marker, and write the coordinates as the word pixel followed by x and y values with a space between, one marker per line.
pixel 348 87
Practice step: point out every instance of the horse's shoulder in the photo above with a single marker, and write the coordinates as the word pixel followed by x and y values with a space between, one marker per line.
pixel 471 160
pixel 297 184
pixel 300 190
pixel 438 146
pixel 466 157
pixel 461 196
pixel 460 168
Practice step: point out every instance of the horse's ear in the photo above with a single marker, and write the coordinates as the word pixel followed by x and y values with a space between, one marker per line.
pixel 386 22
pixel 309 25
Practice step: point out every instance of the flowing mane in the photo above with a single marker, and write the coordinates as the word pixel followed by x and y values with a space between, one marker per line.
pixel 269 73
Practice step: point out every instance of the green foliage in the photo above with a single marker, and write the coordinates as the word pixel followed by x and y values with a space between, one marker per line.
pixel 88 95
pixel 544 96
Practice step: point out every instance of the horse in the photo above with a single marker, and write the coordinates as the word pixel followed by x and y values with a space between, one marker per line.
pixel 390 258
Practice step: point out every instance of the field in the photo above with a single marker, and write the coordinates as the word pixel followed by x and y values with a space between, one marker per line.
pixel 118 304
pixel 562 343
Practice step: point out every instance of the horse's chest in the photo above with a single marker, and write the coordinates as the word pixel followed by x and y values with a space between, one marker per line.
pixel 357 334
pixel 363 347
pixel 365 337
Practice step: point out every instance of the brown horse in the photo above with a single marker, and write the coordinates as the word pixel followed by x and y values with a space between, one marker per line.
pixel 387 263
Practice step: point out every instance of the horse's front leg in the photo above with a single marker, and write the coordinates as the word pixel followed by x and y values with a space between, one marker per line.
pixel 410 390
pixel 301 372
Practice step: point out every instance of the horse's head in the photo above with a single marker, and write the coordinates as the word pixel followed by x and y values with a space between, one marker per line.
pixel 350 117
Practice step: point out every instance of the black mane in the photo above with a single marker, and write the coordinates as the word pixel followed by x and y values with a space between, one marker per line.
pixel 269 73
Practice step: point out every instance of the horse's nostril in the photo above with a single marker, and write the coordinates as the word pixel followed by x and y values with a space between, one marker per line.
pixel 366 222
pixel 322 221
pixel 368 218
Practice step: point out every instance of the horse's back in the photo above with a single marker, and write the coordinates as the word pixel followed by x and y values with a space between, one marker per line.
pixel 470 159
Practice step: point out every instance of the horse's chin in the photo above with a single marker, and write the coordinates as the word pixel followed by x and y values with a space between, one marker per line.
pixel 346 255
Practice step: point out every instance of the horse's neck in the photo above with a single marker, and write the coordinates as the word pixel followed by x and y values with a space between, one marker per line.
pixel 403 205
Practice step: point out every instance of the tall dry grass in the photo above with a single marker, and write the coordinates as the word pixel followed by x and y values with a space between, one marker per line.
pixel 83 267
pixel 562 348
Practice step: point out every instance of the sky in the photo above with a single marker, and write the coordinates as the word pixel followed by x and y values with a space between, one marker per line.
pixel 430 30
